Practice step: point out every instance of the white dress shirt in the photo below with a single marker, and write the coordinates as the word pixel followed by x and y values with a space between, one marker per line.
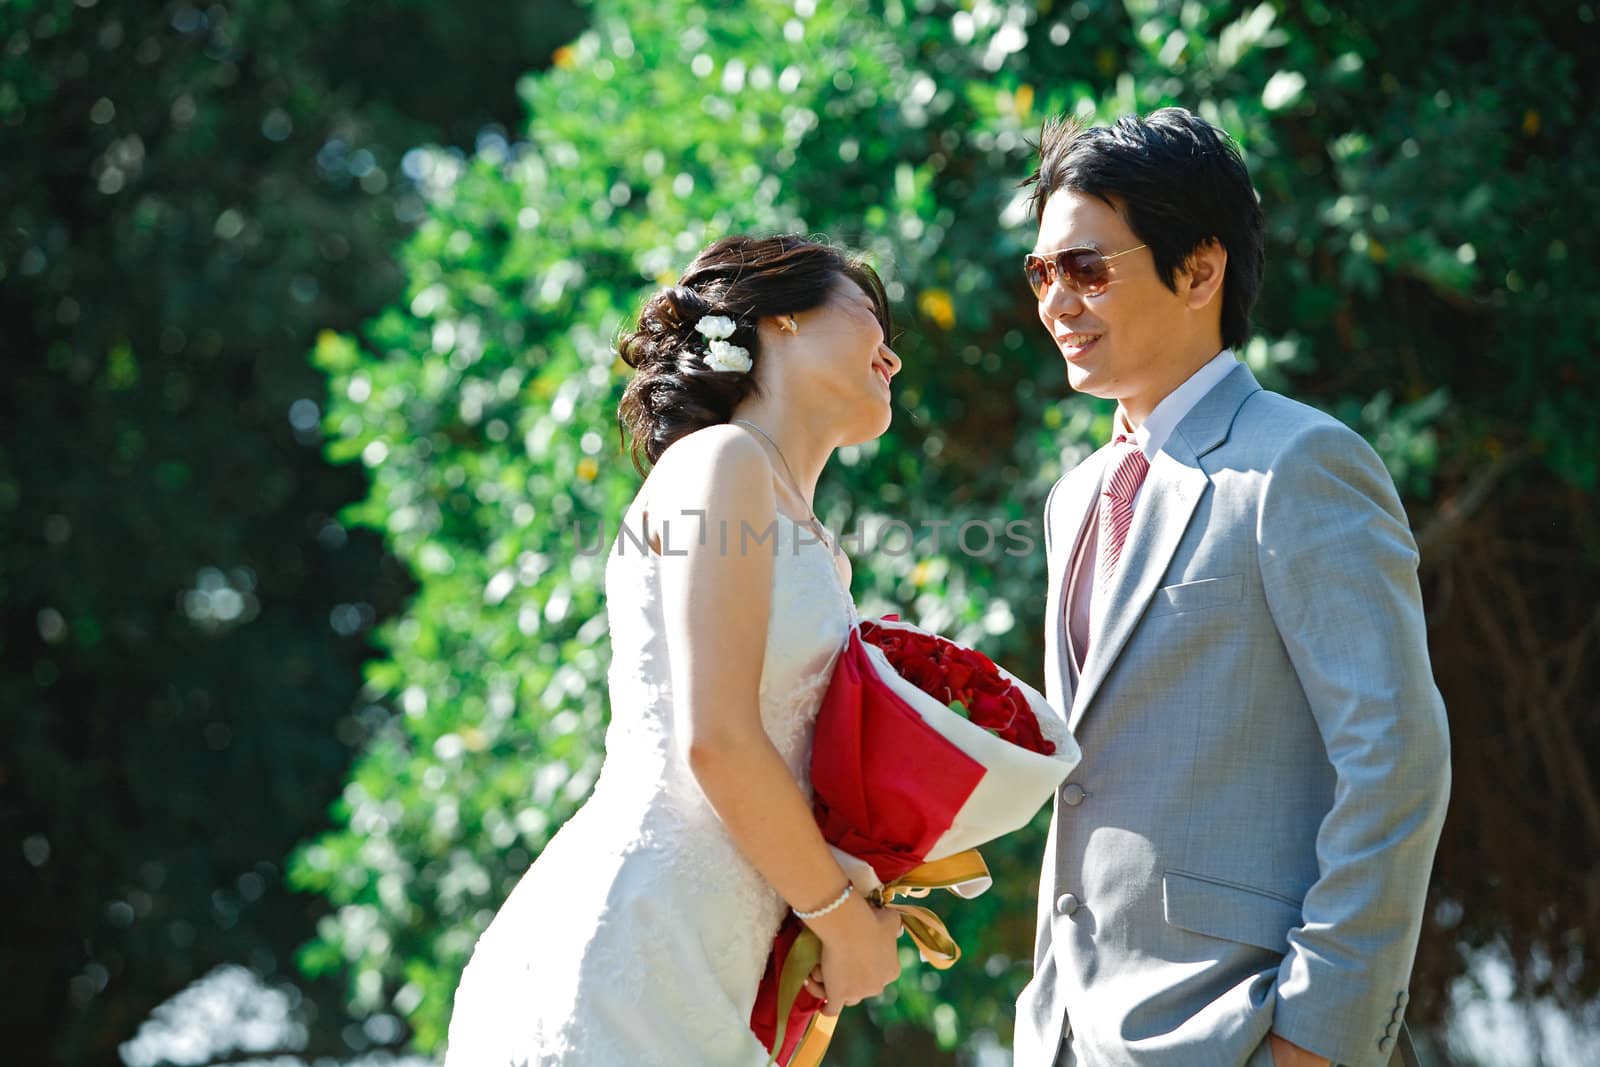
pixel 1084 608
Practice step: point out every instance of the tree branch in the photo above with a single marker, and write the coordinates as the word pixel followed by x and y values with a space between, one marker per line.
pixel 1453 513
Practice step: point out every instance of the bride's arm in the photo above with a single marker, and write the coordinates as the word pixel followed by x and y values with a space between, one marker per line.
pixel 715 606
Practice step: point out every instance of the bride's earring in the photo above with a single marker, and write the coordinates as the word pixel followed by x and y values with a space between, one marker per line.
pixel 791 327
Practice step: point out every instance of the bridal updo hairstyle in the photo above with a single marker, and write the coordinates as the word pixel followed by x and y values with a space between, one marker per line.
pixel 673 392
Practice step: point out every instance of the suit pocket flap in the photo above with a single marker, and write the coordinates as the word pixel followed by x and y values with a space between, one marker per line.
pixel 1232 912
pixel 1192 596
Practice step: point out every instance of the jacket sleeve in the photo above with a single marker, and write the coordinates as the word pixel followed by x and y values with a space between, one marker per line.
pixel 1339 569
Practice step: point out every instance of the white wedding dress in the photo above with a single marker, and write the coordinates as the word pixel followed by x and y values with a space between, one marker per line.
pixel 640 934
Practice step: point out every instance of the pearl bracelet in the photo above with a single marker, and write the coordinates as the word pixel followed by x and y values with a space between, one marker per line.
pixel 849 887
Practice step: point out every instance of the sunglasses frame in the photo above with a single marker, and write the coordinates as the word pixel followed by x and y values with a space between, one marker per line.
pixel 1053 272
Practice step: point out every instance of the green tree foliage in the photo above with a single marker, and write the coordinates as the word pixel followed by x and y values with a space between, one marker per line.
pixel 1424 171
pixel 189 194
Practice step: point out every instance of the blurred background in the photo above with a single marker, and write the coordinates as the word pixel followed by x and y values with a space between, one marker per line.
pixel 306 321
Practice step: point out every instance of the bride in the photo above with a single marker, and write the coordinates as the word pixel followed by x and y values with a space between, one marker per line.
pixel 640 934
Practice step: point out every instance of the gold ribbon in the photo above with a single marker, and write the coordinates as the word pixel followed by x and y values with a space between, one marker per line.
pixel 927 930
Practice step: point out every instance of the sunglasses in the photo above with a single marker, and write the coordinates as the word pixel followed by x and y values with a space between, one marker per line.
pixel 1086 270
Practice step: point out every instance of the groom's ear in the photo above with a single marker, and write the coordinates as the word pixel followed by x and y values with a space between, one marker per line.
pixel 1200 280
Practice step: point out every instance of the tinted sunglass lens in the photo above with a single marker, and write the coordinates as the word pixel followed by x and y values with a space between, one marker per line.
pixel 1087 268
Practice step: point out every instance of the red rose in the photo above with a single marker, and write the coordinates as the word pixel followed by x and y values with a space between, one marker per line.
pixel 962 678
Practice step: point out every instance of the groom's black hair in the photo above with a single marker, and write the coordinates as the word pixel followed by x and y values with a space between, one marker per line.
pixel 1182 183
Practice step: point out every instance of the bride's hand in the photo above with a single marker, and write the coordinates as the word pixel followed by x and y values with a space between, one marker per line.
pixel 859 954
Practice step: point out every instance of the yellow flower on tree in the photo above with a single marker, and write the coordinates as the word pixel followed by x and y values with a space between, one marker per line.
pixel 937 305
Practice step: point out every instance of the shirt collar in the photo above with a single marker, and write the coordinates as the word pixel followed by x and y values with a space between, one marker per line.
pixel 1152 436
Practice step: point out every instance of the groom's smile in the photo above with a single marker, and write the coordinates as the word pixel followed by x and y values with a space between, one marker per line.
pixel 1075 346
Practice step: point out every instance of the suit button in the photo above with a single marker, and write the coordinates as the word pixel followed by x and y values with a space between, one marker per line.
pixel 1388 1031
pixel 1067 904
pixel 1073 794
pixel 1402 998
pixel 1385 1044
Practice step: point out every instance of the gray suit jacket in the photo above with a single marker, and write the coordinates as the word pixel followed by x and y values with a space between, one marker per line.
pixel 1247 842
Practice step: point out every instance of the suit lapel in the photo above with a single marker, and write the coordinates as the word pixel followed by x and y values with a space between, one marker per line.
pixel 1167 501
pixel 1068 512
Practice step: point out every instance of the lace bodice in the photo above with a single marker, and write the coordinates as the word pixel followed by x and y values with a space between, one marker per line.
pixel 640 934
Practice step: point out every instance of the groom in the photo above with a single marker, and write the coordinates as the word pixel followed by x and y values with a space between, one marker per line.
pixel 1236 872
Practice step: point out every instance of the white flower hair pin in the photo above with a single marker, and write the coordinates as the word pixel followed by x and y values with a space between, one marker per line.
pixel 720 355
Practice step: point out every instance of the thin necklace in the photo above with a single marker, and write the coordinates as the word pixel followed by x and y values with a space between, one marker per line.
pixel 794 483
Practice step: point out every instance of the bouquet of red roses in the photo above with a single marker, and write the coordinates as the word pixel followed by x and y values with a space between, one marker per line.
pixel 924 750
pixel 969 683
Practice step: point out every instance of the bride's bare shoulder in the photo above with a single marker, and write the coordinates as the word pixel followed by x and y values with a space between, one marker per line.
pixel 720 464
pixel 719 452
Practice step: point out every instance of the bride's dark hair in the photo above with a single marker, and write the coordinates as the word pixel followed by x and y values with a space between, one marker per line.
pixel 673 392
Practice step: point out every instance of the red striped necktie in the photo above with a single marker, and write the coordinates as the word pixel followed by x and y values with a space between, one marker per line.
pixel 1127 469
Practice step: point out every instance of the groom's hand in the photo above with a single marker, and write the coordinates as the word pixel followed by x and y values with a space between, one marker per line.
pixel 1288 1054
